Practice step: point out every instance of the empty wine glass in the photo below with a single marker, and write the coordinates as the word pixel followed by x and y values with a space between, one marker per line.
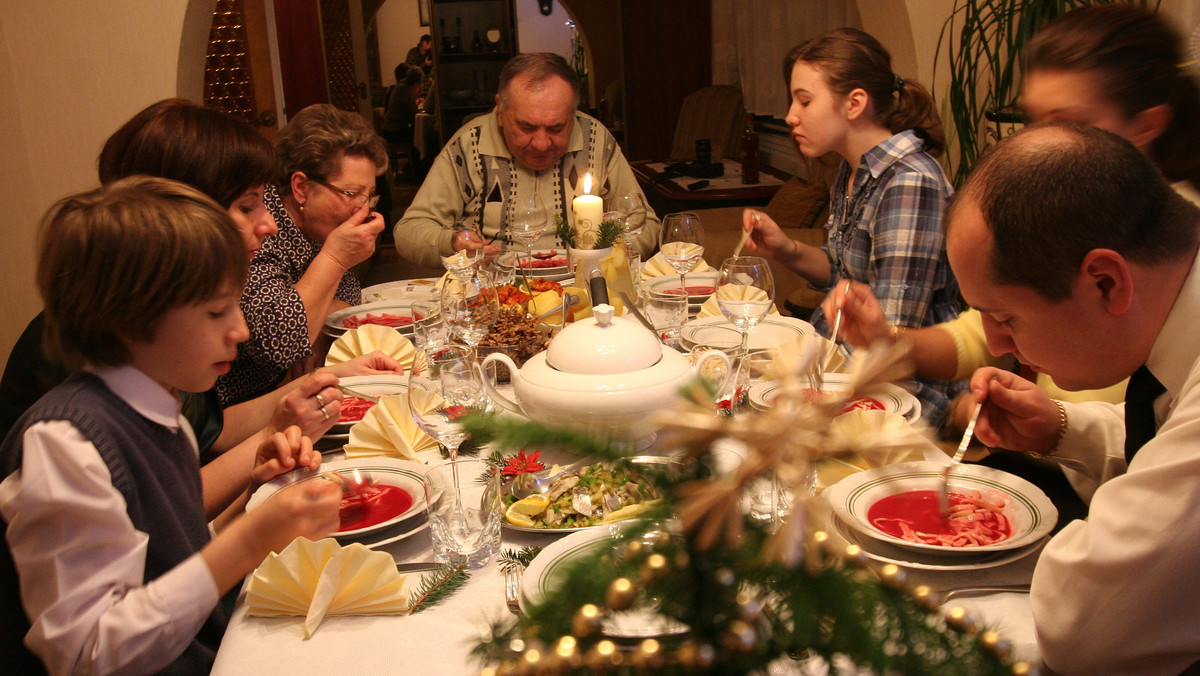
pixel 745 293
pixel 681 243
pixel 448 386
pixel 464 262
pixel 529 222
pixel 470 307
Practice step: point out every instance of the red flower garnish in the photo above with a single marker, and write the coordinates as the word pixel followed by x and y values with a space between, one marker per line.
pixel 454 412
pixel 520 464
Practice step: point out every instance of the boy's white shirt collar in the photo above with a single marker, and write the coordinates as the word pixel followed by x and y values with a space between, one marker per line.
pixel 143 394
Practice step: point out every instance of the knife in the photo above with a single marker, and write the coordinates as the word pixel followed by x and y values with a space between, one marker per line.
pixel 416 566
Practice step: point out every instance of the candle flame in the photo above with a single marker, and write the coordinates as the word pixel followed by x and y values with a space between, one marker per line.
pixel 587 183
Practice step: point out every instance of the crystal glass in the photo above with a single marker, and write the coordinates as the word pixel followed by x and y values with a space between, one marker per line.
pixel 500 270
pixel 630 212
pixel 668 312
pixel 448 385
pixel 470 307
pixel 681 243
pixel 464 504
pixel 530 220
pixel 745 294
pixel 429 324
pixel 464 262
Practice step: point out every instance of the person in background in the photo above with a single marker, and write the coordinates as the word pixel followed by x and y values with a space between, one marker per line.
pixel 1115 67
pixel 1095 284
pixel 326 227
pixel 888 197
pixel 403 101
pixel 421 56
pixel 533 143
pixel 109 565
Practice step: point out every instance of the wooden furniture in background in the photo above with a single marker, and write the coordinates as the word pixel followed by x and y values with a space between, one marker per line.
pixel 465 79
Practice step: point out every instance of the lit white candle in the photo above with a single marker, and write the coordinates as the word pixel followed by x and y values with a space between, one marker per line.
pixel 589 211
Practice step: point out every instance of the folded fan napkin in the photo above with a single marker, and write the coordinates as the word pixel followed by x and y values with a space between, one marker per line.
pixel 368 338
pixel 389 429
pixel 316 579
pixel 658 266
pixel 736 292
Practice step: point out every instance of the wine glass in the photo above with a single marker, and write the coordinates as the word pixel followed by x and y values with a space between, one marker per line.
pixel 448 386
pixel 745 293
pixel 464 263
pixel 529 222
pixel 470 307
pixel 681 243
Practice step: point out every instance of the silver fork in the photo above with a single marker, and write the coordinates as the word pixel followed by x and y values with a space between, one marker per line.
pixel 987 589
pixel 944 492
pixel 512 589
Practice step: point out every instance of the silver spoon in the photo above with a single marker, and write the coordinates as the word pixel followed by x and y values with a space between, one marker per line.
pixel 944 489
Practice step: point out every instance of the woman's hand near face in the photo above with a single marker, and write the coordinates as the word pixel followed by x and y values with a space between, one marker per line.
pixel 353 241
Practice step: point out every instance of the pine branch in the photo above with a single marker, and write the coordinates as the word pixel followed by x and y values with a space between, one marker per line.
pixel 437 587
pixel 607 234
pixel 514 434
pixel 564 231
pixel 511 559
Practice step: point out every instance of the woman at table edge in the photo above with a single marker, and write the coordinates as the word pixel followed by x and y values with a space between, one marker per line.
pixel 889 195
pixel 1115 67
pixel 330 158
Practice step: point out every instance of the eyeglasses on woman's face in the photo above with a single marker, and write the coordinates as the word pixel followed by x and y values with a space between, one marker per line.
pixel 356 198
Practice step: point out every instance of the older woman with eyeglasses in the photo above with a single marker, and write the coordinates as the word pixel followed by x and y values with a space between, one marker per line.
pixel 323 209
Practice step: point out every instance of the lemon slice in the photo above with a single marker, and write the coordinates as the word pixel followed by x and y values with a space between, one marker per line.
pixel 519 512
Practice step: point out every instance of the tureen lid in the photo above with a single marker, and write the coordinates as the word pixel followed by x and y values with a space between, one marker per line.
pixel 603 344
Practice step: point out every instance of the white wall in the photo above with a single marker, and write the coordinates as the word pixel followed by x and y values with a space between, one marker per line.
pixel 71 73
pixel 398 25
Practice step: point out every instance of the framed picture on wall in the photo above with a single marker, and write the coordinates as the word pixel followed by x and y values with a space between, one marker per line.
pixel 423 6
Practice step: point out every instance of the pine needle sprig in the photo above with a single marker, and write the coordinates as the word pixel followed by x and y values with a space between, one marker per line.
pixel 564 231
pixel 513 434
pixel 438 586
pixel 511 559
pixel 607 234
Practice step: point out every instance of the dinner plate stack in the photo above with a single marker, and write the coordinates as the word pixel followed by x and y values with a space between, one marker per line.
pixel 547 264
pixel 405 290
pixel 393 313
pixel 1028 512
pixel 404 477
pixel 700 287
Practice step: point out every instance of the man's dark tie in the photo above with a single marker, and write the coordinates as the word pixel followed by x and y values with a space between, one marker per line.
pixel 1140 427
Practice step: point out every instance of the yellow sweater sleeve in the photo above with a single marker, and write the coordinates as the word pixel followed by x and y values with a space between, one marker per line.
pixel 970 343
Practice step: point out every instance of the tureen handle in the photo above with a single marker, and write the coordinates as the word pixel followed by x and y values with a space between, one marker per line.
pixel 701 356
pixel 492 393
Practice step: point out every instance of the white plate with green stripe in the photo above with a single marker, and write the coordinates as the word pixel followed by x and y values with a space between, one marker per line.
pixel 1029 513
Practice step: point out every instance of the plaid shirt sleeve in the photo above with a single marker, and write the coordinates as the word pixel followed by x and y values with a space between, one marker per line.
pixel 908 245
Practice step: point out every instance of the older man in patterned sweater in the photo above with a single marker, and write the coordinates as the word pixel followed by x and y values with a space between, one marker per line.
pixel 534 145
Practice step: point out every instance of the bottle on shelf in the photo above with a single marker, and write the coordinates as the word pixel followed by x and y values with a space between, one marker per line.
pixel 749 152
pixel 477 43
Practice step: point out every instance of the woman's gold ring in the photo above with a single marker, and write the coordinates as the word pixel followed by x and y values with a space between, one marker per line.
pixel 320 400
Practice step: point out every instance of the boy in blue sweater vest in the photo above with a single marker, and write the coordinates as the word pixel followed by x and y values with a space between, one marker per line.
pixel 109 550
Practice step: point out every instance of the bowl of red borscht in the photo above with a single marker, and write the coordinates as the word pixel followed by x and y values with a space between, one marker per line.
pixel 990 510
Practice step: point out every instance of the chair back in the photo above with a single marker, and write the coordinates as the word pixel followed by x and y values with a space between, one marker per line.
pixel 715 113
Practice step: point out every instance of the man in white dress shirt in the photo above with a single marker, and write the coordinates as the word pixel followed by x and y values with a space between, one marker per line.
pixel 1082 260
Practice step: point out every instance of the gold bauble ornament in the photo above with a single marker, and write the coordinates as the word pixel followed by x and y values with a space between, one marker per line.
pixel 621 594
pixel 739 637
pixel 602 656
pixel 997 644
pixel 927 597
pixel 725 577
pixel 892 576
pixel 854 555
pixel 960 619
pixel 697 655
pixel 633 549
pixel 586 620
pixel 1025 669
pixel 654 568
pixel 649 655
pixel 750 606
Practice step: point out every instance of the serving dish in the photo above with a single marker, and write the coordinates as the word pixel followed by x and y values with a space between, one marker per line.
pixel 1029 512
pixel 335 322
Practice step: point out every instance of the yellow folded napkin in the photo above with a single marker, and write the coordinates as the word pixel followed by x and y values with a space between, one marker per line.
pixel 368 338
pixel 890 438
pixel 791 355
pixel 389 429
pixel 658 266
pixel 316 579
pixel 736 292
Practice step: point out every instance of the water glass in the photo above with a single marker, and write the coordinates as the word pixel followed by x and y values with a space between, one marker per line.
pixel 464 511
pixel 429 324
pixel 668 312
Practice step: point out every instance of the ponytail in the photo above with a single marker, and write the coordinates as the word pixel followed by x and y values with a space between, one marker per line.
pixel 851 59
